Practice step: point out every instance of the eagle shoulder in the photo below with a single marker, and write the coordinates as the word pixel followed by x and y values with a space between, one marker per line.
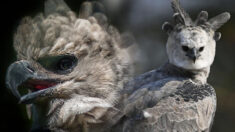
pixel 175 105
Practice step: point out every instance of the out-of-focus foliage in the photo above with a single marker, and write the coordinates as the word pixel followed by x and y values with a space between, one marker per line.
pixel 144 19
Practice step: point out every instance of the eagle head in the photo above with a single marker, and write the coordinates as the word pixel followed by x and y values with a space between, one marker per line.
pixel 69 64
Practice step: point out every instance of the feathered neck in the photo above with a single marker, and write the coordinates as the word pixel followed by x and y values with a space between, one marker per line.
pixel 198 76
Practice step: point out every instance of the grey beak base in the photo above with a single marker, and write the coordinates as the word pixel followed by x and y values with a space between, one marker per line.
pixel 193 54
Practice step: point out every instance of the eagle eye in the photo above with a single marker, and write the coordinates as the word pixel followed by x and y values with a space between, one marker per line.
pixel 65 63
pixel 201 49
pixel 62 64
pixel 185 48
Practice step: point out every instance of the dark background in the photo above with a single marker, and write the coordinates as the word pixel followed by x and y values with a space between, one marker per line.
pixel 144 19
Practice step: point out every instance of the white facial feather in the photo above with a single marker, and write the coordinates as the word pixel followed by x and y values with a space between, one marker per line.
pixel 79 105
pixel 193 37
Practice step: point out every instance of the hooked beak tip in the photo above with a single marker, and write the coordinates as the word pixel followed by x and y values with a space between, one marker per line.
pixel 194 60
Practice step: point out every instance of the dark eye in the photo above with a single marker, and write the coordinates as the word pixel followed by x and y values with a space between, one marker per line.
pixel 185 48
pixel 65 64
pixel 61 64
pixel 201 49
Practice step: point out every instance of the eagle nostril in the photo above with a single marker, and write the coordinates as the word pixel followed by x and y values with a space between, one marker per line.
pixel 30 68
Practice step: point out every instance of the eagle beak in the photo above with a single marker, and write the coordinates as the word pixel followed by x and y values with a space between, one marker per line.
pixel 192 54
pixel 20 74
pixel 17 73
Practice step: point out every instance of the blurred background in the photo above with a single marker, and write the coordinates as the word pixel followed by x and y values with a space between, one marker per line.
pixel 144 19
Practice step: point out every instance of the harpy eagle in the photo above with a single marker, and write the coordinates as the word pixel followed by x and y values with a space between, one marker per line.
pixel 72 65
pixel 176 97
pixel 173 98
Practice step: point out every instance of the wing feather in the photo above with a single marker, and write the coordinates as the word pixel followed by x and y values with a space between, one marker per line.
pixel 170 110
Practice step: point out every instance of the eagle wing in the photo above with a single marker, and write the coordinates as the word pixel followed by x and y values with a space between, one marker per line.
pixel 170 105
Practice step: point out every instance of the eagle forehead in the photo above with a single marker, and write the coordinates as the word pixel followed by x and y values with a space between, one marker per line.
pixel 195 38
pixel 55 36
pixel 192 33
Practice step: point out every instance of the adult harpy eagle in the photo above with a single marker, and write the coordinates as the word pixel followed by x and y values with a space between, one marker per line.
pixel 177 97
pixel 73 66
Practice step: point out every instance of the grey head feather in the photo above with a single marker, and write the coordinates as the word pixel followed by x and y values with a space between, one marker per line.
pixel 182 14
pixel 167 27
pixel 182 18
pixel 88 9
pixel 85 10
pixel 55 6
pixel 219 20
pixel 95 9
pixel 202 18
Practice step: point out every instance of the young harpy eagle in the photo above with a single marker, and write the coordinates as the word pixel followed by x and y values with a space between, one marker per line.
pixel 73 66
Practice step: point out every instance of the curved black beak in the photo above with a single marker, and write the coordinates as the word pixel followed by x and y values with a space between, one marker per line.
pixel 17 73
pixel 193 54
pixel 21 72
